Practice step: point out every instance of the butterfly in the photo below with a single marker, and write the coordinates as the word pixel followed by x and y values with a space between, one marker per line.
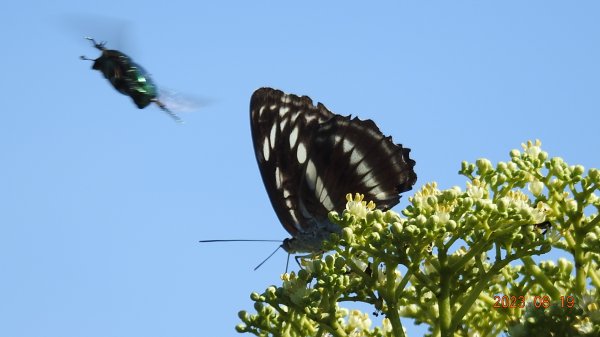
pixel 310 158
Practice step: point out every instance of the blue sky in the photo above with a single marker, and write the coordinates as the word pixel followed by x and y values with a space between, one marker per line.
pixel 102 204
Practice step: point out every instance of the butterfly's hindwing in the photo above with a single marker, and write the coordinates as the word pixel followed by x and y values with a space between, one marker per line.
pixel 357 157
pixel 310 158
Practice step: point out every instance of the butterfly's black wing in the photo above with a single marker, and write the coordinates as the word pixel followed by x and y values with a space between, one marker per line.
pixel 310 158
pixel 281 127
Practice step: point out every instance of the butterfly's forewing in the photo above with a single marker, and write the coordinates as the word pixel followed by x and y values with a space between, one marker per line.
pixel 310 158
pixel 280 126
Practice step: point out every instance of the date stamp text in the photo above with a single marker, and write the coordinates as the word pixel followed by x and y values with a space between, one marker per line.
pixel 508 301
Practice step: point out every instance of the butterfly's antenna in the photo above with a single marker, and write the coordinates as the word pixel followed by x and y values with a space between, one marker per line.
pixel 268 257
pixel 239 240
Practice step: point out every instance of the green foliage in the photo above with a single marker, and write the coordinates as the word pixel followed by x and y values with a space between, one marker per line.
pixel 444 263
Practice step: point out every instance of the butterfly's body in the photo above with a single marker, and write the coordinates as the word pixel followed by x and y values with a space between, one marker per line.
pixel 310 158
pixel 127 77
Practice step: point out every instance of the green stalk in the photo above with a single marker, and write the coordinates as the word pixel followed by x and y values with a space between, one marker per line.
pixel 579 258
pixel 392 304
pixel 484 282
pixel 540 277
pixel 594 276
pixel 445 309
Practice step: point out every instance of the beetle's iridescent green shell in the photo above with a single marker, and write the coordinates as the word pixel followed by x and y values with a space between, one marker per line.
pixel 128 77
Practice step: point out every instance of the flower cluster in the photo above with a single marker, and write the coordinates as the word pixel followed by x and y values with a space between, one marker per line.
pixel 443 263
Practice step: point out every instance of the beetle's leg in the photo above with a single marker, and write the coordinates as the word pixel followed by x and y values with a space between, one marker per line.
pixel 99 45
pixel 163 107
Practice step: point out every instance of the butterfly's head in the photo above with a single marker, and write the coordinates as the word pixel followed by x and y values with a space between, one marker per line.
pixel 288 245
pixel 296 245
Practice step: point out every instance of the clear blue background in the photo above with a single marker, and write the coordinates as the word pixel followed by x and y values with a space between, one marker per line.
pixel 102 204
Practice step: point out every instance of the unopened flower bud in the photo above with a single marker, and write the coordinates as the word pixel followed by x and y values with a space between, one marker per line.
pixel 594 174
pixel 565 266
pixel 348 234
pixel 536 187
pixel 571 205
pixel 397 228
pixel 591 239
pixel 483 166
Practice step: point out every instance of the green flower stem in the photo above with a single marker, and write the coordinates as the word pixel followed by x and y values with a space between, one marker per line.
pixel 277 307
pixel 355 269
pixel 540 277
pixel 580 274
pixel 394 318
pixel 508 228
pixel 292 323
pixel 475 250
pixel 593 274
pixel 335 329
pixel 590 224
pixel 487 299
pixel 579 258
pixel 484 282
pixel 326 322
pixel 426 281
pixel 453 240
pixel 399 291
pixel 480 265
pixel 570 240
pixel 390 288
pixel 444 305
pixel 390 297
pixel 358 299
pixel 499 250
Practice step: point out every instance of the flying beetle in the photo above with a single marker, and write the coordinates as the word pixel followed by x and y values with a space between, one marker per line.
pixel 127 77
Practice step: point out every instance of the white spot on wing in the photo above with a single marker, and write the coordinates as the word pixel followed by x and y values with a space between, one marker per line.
pixel 286 193
pixel 295 115
pixel 286 99
pixel 370 180
pixel 293 137
pixel 377 190
pixel 273 134
pixel 322 194
pixel 277 177
pixel 266 151
pixel 311 174
pixel 363 168
pixel 297 224
pixel 310 118
pixel 272 107
pixel 301 153
pixel 381 196
pixel 283 110
pixel 355 157
pixel 283 124
pixel 319 188
pixel 347 145
pixel 327 203
pixel 260 111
